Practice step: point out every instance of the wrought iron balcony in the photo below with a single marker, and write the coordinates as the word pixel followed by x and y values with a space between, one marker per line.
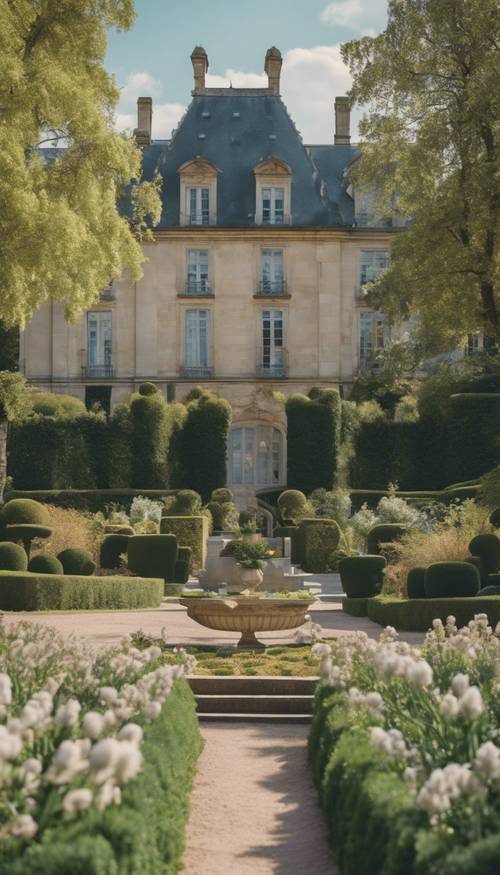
pixel 197 288
pixel 203 218
pixel 280 219
pixel 270 288
pixel 98 372
pixel 200 373
pixel 272 372
pixel 107 294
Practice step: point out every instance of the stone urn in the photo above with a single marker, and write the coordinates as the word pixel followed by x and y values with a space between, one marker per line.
pixel 251 537
pixel 248 615
pixel 251 578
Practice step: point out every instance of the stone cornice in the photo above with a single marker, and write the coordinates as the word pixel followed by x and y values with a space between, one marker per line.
pixel 275 233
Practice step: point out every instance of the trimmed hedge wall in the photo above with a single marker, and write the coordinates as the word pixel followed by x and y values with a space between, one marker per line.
pixel 201 445
pixel 313 438
pixel 153 555
pixel 23 591
pixel 385 452
pixel 356 607
pixel 473 435
pixel 145 834
pixel 190 531
pixel 416 615
pixel 93 500
pixel 153 424
pixel 317 540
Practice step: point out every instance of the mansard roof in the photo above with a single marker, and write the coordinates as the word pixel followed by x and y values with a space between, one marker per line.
pixel 236 129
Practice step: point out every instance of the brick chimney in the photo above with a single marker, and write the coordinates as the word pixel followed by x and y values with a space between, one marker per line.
pixel 272 66
pixel 199 61
pixel 142 132
pixel 342 121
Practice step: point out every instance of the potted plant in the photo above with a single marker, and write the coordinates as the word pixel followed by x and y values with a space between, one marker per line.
pixel 252 558
pixel 249 531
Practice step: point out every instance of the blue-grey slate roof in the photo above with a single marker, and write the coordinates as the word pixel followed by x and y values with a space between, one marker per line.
pixel 260 130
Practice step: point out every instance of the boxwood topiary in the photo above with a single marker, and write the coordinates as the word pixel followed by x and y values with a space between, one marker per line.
pixel 230 549
pixel 415 582
pixel 292 504
pixel 383 534
pixel 184 554
pixel 76 561
pixel 12 557
pixel 362 576
pixel 222 495
pixel 112 547
pixel 181 571
pixel 487 547
pixel 451 580
pixel 27 532
pixel 24 511
pixel 148 388
pixel 153 555
pixel 318 539
pixel 42 563
pixel 187 503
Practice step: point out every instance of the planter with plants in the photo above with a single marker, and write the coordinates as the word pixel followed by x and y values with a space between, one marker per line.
pixel 252 558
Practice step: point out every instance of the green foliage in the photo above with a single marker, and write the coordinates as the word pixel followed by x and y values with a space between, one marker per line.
pixel 384 533
pixel 252 555
pixel 355 606
pixel 415 582
pixel 148 388
pixel 292 505
pixel 50 404
pixel 490 589
pixel 24 510
pixel 23 591
pixel 313 439
pixel 202 444
pixel 92 500
pixel 27 532
pixel 451 579
pixel 489 493
pixel 185 502
pixel 12 557
pixel 181 571
pixel 230 549
pixel 362 576
pixel 119 449
pixel 473 452
pixel 153 555
pixel 385 452
pixel 222 495
pixel 416 615
pixel 112 547
pixel 75 561
pixel 190 531
pixel 487 547
pixel 436 146
pixel 319 539
pixel 15 401
pixel 42 563
pixel 150 441
pixel 9 348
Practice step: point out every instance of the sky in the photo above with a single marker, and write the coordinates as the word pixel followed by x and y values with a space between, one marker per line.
pixel 153 58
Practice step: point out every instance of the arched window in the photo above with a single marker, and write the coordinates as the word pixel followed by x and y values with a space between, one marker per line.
pixel 255 456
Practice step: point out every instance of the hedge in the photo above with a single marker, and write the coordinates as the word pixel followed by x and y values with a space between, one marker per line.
pixel 153 555
pixel 145 834
pixel 153 424
pixel 473 435
pixel 92 500
pixel 356 607
pixel 385 452
pixel 190 531
pixel 313 438
pixel 318 540
pixel 201 444
pixel 23 591
pixel 416 615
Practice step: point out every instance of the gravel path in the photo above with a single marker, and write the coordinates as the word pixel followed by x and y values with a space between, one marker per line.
pixel 254 810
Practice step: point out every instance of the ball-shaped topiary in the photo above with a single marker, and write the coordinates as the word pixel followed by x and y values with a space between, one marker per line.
pixel 490 589
pixel 112 547
pixel 76 561
pixel 415 582
pixel 148 388
pixel 187 503
pixel 292 504
pixel 487 548
pixel 44 564
pixel 451 580
pixel 362 576
pixel 385 533
pixel 153 556
pixel 12 557
pixel 222 495
pixel 495 518
pixel 21 511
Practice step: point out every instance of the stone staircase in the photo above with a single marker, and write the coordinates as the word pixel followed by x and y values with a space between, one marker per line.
pixel 254 699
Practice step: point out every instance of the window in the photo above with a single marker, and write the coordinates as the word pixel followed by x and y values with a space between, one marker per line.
pixel 198 205
pixel 371 334
pixel 197 341
pixel 272 278
pixel 372 263
pixel 255 456
pixel 197 272
pixel 99 343
pixel 273 359
pixel 474 344
pixel 273 205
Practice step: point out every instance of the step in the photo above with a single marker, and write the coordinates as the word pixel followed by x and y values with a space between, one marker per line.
pixel 217 704
pixel 293 719
pixel 263 685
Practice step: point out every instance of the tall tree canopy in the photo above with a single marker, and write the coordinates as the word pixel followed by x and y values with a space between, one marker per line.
pixel 60 231
pixel 431 84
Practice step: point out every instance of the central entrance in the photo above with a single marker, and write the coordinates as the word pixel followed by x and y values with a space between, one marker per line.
pixel 255 456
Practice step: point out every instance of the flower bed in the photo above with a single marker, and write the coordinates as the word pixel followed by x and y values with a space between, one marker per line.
pixel 97 754
pixel 404 748
pixel 23 591
pixel 416 615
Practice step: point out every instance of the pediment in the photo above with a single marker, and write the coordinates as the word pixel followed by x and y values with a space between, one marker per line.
pixel 198 167
pixel 273 167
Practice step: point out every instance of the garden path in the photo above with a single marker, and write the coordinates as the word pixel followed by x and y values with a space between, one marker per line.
pixel 254 809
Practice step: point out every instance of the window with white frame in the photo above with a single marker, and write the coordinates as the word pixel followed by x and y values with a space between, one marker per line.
pixel 372 262
pixel 372 334
pixel 198 205
pixel 273 205
pixel 273 359
pixel 255 455
pixel 197 272
pixel 197 340
pixel 99 342
pixel 272 273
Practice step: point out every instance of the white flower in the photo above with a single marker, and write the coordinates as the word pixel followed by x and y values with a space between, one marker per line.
pixel 460 684
pixel 152 710
pixel 374 701
pixel 77 800
pixel 108 695
pixel 10 744
pixel 419 674
pixel 93 724
pixel 108 794
pixel 103 755
pixel 23 826
pixel 130 732
pixel 321 650
pixel 487 761
pixel 67 714
pixel 128 762
pixel 5 689
pixel 449 706
pixel 470 704
pixel 67 762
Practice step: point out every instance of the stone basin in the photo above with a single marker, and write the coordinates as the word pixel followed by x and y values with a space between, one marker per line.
pixel 248 615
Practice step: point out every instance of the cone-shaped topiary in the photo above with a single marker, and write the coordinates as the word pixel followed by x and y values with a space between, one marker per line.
pixel 384 533
pixel 362 576
pixel 75 561
pixel 45 564
pixel 451 580
pixel 415 582
pixel 487 547
pixel 12 557
pixel 112 547
pixel 153 556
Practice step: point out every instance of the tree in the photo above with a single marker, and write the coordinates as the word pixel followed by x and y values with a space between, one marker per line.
pixel 15 402
pixel 62 234
pixel 431 83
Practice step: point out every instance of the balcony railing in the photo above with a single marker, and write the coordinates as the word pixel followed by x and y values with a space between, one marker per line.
pixel 368 220
pixel 272 372
pixel 281 219
pixel 200 373
pixel 203 218
pixel 197 288
pixel 268 288
pixel 107 295
pixel 98 372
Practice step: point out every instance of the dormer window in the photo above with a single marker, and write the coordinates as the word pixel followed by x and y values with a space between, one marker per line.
pixel 198 196
pixel 273 185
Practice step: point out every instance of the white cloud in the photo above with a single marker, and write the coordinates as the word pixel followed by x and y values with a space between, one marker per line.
pixel 236 78
pixel 343 13
pixel 140 85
